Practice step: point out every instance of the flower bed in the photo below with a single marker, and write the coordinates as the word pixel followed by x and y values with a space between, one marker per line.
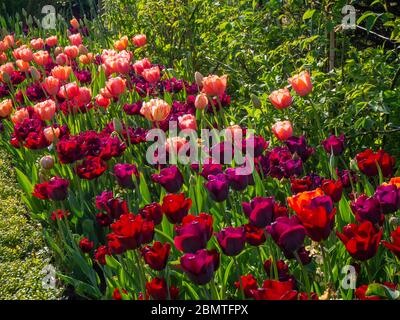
pixel 287 220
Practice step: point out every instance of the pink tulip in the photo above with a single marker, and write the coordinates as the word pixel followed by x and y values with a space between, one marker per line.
pixel 69 91
pixel 139 40
pixel 45 110
pixel 151 75
pixel 52 41
pixel 20 115
pixel 50 133
pixel 71 51
pixel 51 85
pixel 187 121
pixel 75 39
pixel 201 101
pixel 37 44
pixel 140 65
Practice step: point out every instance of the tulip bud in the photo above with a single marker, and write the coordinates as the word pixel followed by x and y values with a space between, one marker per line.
pixel 394 221
pixel 6 77
pixel 47 162
pixel 35 73
pixel 201 101
pixel 117 125
pixel 58 50
pixel 256 101
pixel 83 49
pixel 198 77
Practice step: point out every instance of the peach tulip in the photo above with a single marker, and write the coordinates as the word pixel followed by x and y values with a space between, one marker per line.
pixel 74 23
pixel 6 108
pixel 37 44
pixel 116 86
pixel 50 133
pixel 41 57
pixel 9 41
pixel 139 40
pixel 61 73
pixel 51 41
pixel 281 98
pixel 35 74
pixel 174 144
pixel 45 110
pixel 187 121
pixel 214 85
pixel 20 115
pixel 71 51
pixel 201 101
pixel 75 39
pixel 52 85
pixel 301 83
pixel 121 44
pixel 282 130
pixel 22 65
pixel 151 75
pixel 3 58
pixel 155 110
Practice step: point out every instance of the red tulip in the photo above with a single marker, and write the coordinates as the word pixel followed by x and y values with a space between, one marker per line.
pixel 156 256
pixel 176 207
pixel 361 240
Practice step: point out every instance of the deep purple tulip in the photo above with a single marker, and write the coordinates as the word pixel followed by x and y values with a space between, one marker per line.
pixel 170 178
pixel 288 233
pixel 222 152
pixel 218 187
pixel 334 144
pixel 260 211
pixel 366 208
pixel 237 179
pixel 231 240
pixel 200 266
pixel 299 145
pixel 124 173
pixel 256 144
pixel 388 197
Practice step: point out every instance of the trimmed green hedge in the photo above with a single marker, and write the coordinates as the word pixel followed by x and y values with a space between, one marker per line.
pixel 22 250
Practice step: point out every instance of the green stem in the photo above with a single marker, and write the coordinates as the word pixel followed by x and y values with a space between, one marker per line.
pixel 305 276
pixel 239 277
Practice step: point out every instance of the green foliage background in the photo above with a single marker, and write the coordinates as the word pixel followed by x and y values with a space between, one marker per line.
pixel 261 43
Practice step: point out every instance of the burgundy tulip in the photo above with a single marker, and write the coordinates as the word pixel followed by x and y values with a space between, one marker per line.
pixel 200 266
pixel 170 178
pixel 124 173
pixel 260 211
pixel 231 240
pixel 288 233
pixel 334 144
pixel 218 187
